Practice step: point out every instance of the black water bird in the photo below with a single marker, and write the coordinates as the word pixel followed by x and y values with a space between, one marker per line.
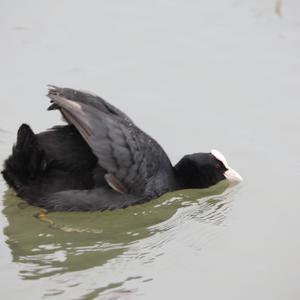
pixel 100 160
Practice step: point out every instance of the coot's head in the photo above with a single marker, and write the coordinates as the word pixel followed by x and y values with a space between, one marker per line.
pixel 202 170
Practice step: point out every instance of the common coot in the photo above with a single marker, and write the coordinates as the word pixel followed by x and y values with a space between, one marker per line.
pixel 100 160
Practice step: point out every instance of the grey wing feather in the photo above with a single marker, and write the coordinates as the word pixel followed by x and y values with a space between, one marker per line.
pixel 114 139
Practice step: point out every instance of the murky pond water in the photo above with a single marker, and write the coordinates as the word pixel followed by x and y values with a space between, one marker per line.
pixel 196 75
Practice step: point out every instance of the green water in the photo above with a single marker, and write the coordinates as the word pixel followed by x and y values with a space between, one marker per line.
pixel 196 75
pixel 78 241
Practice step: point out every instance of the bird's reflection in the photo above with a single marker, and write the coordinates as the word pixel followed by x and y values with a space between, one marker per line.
pixel 82 240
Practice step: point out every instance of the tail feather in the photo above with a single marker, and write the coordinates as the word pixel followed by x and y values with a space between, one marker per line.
pixel 26 161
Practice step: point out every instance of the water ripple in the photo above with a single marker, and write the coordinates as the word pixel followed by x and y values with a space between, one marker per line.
pixel 102 242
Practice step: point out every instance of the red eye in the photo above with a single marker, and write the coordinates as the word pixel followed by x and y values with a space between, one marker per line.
pixel 218 166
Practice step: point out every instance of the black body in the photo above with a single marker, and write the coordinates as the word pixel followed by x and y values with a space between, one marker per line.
pixel 99 161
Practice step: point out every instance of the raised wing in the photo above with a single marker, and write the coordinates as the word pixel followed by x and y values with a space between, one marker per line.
pixel 130 156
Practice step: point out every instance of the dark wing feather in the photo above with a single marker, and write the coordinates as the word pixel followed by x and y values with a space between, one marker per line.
pixel 130 156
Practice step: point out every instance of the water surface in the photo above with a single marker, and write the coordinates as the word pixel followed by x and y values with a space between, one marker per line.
pixel 196 75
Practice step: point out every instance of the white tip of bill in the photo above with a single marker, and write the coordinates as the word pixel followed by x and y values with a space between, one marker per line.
pixel 231 175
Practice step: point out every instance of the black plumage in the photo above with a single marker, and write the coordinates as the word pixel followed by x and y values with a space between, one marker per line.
pixel 100 160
